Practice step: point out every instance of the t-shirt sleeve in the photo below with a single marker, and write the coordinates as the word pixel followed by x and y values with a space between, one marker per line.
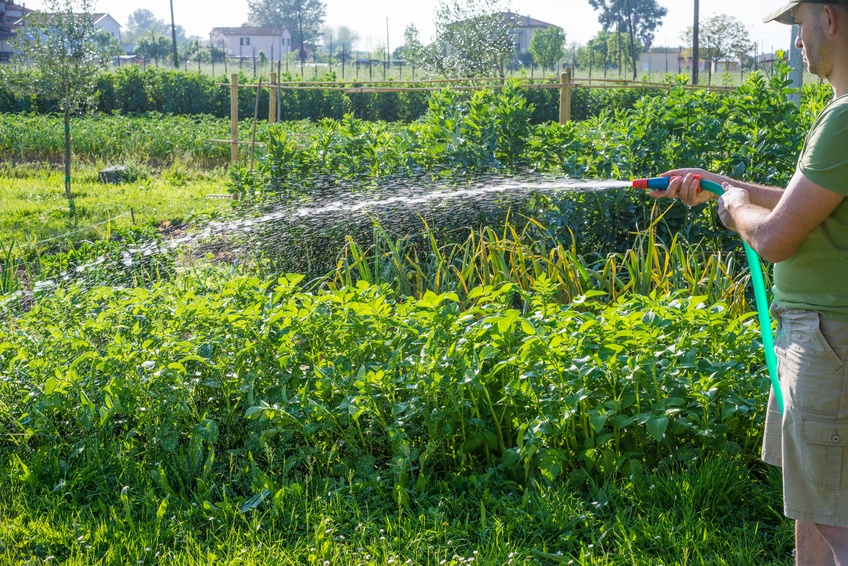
pixel 825 160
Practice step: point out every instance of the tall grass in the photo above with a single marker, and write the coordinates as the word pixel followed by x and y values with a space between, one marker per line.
pixel 415 265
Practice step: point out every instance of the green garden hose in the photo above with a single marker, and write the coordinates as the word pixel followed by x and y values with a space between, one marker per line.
pixel 757 280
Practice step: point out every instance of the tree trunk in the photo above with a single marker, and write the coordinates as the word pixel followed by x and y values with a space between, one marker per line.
pixel 632 42
pixel 67 149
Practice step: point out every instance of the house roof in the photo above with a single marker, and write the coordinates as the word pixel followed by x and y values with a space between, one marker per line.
pixel 97 18
pixel 46 18
pixel 12 7
pixel 524 21
pixel 247 31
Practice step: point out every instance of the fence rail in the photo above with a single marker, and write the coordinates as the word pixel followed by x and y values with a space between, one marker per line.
pixel 566 85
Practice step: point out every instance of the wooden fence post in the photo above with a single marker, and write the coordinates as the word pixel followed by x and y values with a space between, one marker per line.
pixel 565 97
pixel 272 100
pixel 234 118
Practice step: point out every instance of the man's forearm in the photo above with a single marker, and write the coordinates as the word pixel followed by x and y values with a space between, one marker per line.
pixel 759 195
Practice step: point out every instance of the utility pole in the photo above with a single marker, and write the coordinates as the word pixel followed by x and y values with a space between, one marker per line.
pixel 796 62
pixel 388 53
pixel 174 37
pixel 696 56
pixel 302 53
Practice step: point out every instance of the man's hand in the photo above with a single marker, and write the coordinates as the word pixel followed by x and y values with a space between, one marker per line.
pixel 684 185
pixel 732 200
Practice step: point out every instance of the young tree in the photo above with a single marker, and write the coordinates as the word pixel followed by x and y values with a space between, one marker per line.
pixel 596 53
pixel 61 45
pixel 723 39
pixel 108 43
pixel 548 46
pixel 473 37
pixel 153 46
pixel 605 50
pixel 142 22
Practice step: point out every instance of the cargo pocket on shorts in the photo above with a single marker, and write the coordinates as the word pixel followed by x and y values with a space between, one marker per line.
pixel 823 452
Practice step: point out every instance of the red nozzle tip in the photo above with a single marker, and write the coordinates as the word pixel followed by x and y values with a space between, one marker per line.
pixel 640 183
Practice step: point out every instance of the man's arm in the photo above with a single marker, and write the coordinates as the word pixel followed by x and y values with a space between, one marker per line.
pixel 776 233
pixel 686 189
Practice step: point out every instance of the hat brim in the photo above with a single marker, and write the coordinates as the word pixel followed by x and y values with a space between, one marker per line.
pixel 782 15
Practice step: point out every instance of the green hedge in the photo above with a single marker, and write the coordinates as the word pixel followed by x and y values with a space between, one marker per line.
pixel 131 90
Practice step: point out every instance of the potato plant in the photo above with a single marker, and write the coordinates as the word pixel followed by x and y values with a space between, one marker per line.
pixel 163 387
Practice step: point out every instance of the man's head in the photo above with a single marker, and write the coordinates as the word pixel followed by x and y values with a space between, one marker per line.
pixel 784 15
pixel 822 35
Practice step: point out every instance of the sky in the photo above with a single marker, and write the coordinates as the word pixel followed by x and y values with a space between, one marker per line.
pixel 369 17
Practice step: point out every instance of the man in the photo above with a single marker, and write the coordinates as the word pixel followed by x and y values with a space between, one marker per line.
pixel 804 231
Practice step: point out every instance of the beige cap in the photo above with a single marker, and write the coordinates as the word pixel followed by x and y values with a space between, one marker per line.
pixel 784 15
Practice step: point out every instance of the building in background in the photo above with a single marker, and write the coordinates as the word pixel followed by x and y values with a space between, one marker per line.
pixel 248 42
pixel 10 15
pixel 15 17
pixel 524 27
pixel 663 60
pixel 108 24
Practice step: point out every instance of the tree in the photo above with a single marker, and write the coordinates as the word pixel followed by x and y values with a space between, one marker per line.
pixel 303 19
pixel 142 22
pixel 606 49
pixel 548 46
pixel 620 51
pixel 338 42
pixel 723 38
pixel 108 43
pixel 473 37
pixel 62 46
pixel 153 46
pixel 646 16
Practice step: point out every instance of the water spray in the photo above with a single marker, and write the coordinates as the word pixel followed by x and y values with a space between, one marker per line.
pixel 757 280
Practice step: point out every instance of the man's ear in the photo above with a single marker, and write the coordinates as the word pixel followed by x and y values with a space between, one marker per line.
pixel 833 17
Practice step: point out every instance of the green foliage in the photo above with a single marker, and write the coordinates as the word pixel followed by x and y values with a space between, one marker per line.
pixel 166 380
pixel 62 47
pixel 548 46
pixel 645 16
pixel 156 47
pixel 721 38
pixel 753 134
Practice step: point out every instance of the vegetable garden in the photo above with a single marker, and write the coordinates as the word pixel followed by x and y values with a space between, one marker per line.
pixel 552 378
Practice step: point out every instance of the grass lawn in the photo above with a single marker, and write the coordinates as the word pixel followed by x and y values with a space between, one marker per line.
pixel 720 512
pixel 33 207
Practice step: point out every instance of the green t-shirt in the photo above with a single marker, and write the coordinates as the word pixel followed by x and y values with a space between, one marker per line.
pixel 815 277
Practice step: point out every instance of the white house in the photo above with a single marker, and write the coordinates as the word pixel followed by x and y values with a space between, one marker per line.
pixel 108 24
pixel 663 60
pixel 250 41
pixel 524 27
pixel 101 21
pixel 10 14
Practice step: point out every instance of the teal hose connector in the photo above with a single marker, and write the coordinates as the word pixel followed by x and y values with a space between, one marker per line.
pixel 757 280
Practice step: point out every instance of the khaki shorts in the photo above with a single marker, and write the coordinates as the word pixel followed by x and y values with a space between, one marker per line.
pixel 810 440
